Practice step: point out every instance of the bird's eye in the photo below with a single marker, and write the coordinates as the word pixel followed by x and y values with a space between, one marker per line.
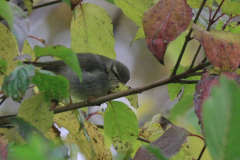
pixel 116 75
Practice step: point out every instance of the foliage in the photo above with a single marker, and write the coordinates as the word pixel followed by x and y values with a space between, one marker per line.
pixel 214 96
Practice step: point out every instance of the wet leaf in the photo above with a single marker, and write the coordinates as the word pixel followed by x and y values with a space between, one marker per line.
pixel 95 33
pixel 121 125
pixel 67 55
pixel 163 23
pixel 221 47
pixel 220 120
pixel 8 49
pixel 133 99
pixel 50 86
pixel 16 83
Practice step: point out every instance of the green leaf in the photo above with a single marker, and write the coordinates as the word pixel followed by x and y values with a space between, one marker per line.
pixel 121 126
pixel 24 128
pixel 21 25
pixel 197 3
pixel 27 49
pixel 3 66
pixel 134 9
pixel 94 32
pixel 175 88
pixel 155 151
pixel 55 87
pixel 133 99
pixel 29 5
pixel 180 108
pixel 221 120
pixel 36 112
pixel 9 49
pixel 67 55
pixel 139 35
pixel 16 84
pixel 230 7
pixel 6 13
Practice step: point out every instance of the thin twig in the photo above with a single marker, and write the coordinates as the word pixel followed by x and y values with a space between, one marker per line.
pixel 3 99
pixel 195 57
pixel 202 151
pixel 187 39
pixel 144 140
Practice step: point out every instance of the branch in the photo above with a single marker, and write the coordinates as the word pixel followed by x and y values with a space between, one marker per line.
pixel 195 57
pixel 187 39
pixel 202 151
pixel 45 4
pixel 100 100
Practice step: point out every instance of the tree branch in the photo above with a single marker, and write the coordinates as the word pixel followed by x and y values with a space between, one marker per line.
pixel 100 100
pixel 45 4
pixel 187 39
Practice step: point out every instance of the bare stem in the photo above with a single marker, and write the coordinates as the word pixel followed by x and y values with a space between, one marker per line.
pixel 195 57
pixel 187 39
pixel 202 151
pixel 45 4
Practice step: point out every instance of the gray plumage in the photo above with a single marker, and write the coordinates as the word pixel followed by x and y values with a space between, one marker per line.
pixel 100 74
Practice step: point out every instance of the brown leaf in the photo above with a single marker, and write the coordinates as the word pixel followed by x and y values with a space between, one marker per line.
pixel 169 143
pixel 163 23
pixel 221 47
pixel 3 147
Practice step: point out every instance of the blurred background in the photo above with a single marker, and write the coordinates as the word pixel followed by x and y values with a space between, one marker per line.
pixel 52 23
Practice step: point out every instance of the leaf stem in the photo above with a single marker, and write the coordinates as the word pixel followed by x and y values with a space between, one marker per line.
pixel 195 57
pixel 187 39
pixel 40 40
pixel 201 153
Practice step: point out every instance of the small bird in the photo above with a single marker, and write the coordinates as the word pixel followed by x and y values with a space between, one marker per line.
pixel 99 73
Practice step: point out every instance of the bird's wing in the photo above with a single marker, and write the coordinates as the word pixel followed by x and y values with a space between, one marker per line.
pixel 90 62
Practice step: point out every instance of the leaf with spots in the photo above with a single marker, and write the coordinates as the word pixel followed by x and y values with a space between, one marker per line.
pixel 8 50
pixel 95 33
pixel 133 99
pixel 36 112
pixel 29 5
pixel 76 135
pixel 221 47
pixel 169 143
pixel 163 23
pixel 51 86
pixel 16 83
pixel 3 66
pixel 67 55
pixel 121 126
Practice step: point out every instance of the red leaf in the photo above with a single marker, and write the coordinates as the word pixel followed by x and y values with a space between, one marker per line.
pixel 163 23
pixel 221 47
pixel 169 143
pixel 204 87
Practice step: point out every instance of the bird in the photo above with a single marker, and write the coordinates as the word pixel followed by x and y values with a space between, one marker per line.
pixel 100 74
